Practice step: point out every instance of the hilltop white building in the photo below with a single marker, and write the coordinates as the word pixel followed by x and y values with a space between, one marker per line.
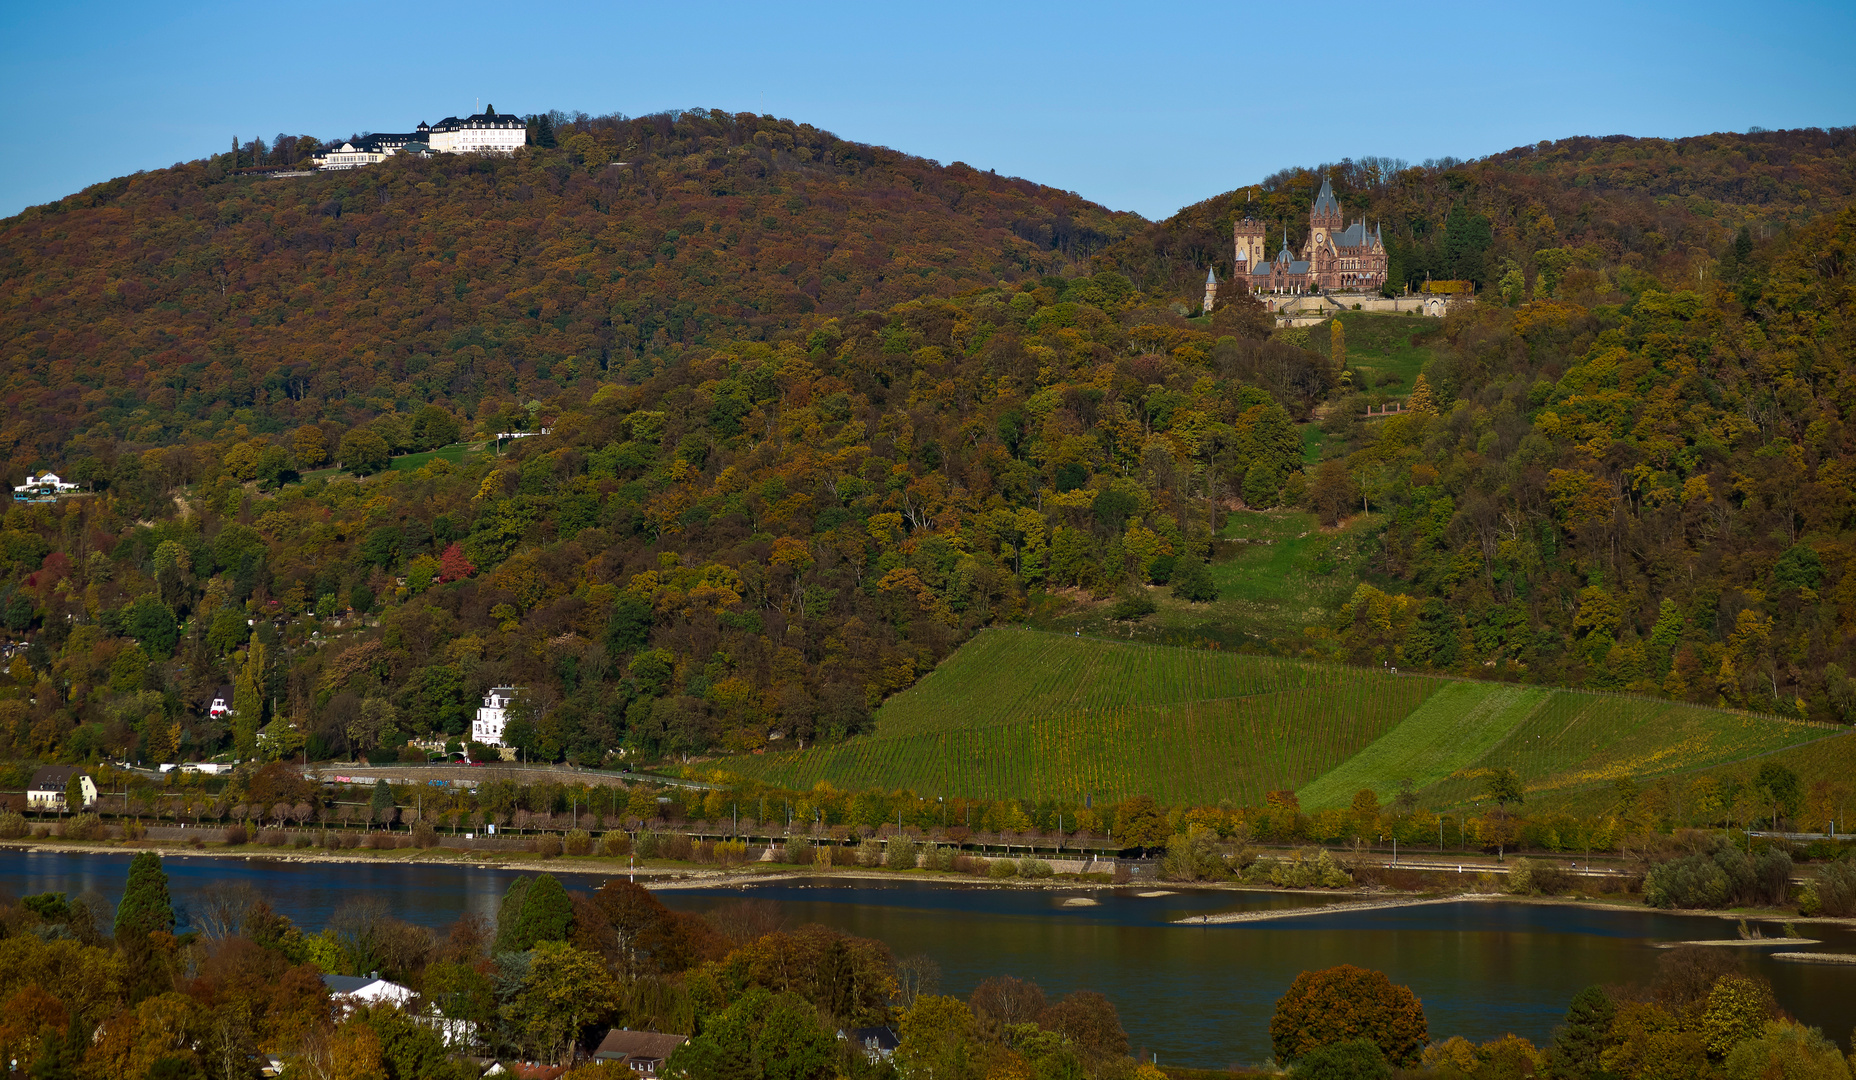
pixel 44 486
pixel 493 716
pixel 487 132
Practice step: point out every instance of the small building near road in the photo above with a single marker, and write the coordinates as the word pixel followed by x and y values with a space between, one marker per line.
pixel 644 1051
pixel 46 792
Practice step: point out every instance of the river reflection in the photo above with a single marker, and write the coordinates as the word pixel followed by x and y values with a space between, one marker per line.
pixel 1195 994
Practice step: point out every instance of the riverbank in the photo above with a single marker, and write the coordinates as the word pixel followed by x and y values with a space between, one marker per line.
pixel 663 875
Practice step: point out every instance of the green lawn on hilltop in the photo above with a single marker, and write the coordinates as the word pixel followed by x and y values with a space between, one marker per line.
pixel 1034 715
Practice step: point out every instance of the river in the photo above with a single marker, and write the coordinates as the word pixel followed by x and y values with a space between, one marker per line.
pixel 1194 995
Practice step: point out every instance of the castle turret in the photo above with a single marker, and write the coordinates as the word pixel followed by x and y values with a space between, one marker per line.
pixel 1211 288
pixel 1249 240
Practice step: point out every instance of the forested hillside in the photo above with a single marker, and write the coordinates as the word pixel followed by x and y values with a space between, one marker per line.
pixel 187 303
pixel 1669 207
pixel 900 403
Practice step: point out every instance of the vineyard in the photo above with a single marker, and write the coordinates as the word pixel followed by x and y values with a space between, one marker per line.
pixel 1030 715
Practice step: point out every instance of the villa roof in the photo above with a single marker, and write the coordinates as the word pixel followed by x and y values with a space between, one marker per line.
pixel 624 1045
pixel 53 777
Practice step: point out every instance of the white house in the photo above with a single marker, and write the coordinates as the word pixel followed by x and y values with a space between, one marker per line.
pixel 348 991
pixel 488 132
pixel 44 486
pixel 493 716
pixel 222 704
pixel 46 792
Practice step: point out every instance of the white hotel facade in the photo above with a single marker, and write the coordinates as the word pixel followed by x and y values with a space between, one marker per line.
pixel 487 132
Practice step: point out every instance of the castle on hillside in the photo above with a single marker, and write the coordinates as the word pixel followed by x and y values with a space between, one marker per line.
pixel 1335 257
pixel 487 132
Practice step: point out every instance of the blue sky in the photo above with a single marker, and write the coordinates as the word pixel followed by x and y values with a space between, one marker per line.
pixel 1140 107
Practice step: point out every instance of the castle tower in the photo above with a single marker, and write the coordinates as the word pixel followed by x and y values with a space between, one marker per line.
pixel 1211 288
pixel 1248 238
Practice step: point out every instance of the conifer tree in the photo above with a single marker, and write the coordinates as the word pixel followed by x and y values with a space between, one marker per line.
pixel 146 906
pixel 1421 399
pixel 547 915
pixel 248 701
pixel 1337 345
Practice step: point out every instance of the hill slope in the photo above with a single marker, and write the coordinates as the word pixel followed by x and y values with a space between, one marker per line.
pixel 1034 716
pixel 175 304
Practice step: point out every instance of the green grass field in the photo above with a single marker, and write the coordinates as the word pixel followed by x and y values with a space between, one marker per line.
pixel 1381 346
pixel 455 454
pixel 1277 572
pixel 1033 715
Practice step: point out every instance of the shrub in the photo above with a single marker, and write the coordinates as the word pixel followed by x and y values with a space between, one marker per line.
pixel 236 834
pixel 132 830
pixel 615 844
pixel 845 855
pixel 680 847
pixel 1721 877
pixel 1002 868
pixel 13 825
pixel 968 864
pixel 1034 868
pixel 1836 889
pixel 83 827
pixel 423 835
pixel 730 852
pixel 940 856
pixel 1343 1003
pixel 271 837
pixel 303 840
pixel 799 852
pixel 870 852
pixel 1529 877
pixel 1355 1059
pixel 1303 872
pixel 901 853
pixel 649 844
pixel 578 842
pixel 548 845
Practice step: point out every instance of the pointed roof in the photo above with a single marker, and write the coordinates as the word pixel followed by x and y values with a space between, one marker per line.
pixel 1211 276
pixel 1325 202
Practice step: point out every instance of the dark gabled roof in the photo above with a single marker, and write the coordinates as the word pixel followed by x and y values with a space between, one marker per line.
pixel 53 777
pixel 1325 202
pixel 346 984
pixel 224 693
pixel 623 1045
pixel 882 1038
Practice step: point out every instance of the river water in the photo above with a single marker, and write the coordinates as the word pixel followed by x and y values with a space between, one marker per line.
pixel 1194 995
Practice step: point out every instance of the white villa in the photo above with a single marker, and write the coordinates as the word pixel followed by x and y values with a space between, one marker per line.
pixel 491 718
pixel 487 132
pixel 44 486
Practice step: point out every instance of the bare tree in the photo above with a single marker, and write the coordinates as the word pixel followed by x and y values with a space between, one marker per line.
pixel 917 977
pixel 223 906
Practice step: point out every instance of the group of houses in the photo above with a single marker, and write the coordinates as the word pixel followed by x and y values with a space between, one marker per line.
pixel 487 132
